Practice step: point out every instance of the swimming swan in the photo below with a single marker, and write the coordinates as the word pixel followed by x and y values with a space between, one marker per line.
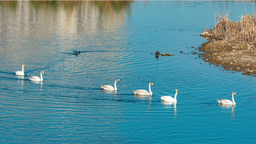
pixel 36 78
pixel 144 92
pixel 109 87
pixel 169 98
pixel 20 73
pixel 228 102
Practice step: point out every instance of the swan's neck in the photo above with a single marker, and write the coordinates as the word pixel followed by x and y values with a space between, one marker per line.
pixel 115 85
pixel 22 69
pixel 41 76
pixel 233 100
pixel 149 89
pixel 175 96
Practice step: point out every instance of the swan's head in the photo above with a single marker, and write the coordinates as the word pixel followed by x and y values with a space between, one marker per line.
pixel 23 65
pixel 118 79
pixel 176 90
pixel 151 83
pixel 233 93
pixel 42 72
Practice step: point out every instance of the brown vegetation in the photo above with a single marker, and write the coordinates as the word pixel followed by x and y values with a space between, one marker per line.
pixel 232 44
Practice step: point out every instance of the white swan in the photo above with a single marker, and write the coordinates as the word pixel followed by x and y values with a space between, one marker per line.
pixel 36 78
pixel 144 92
pixel 228 102
pixel 109 87
pixel 20 73
pixel 169 98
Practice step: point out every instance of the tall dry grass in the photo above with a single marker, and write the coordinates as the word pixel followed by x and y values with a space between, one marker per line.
pixel 244 30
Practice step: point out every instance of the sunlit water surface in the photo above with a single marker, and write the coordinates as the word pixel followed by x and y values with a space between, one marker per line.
pixel 117 42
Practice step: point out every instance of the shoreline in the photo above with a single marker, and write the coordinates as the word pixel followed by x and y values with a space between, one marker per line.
pixel 232 45
pixel 231 55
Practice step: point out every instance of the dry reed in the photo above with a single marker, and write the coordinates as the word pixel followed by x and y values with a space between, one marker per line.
pixel 243 30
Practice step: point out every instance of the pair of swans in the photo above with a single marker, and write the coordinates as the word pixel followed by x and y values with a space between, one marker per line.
pixel 168 99
pixel 136 92
pixel 222 102
pixel 32 78
pixel 163 98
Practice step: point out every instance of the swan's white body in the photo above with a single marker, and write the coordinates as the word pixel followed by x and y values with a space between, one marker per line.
pixel 110 87
pixel 20 73
pixel 228 102
pixel 144 92
pixel 169 98
pixel 36 78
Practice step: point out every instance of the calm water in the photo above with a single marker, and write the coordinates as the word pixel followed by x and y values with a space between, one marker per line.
pixel 116 41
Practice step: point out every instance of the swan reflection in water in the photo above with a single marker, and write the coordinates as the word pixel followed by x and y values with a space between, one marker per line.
pixel 38 82
pixel 109 91
pixel 20 77
pixel 145 97
pixel 21 82
pixel 169 105
pixel 228 106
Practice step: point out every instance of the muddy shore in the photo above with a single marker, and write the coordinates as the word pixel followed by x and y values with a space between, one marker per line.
pixel 231 55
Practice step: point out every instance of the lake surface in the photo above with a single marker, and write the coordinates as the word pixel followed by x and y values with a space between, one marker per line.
pixel 116 41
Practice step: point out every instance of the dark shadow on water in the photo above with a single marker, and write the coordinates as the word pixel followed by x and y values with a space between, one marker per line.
pixel 49 65
pixel 122 94
pixel 78 52
pixel 9 73
pixel 72 87
pixel 209 103
pixel 14 78
pixel 116 100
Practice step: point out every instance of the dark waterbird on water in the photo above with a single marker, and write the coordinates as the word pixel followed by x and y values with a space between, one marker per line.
pixel 157 53
pixel 77 53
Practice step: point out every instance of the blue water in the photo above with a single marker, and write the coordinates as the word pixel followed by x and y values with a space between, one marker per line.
pixel 70 107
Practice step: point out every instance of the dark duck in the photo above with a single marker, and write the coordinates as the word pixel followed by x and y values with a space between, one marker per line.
pixel 77 53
